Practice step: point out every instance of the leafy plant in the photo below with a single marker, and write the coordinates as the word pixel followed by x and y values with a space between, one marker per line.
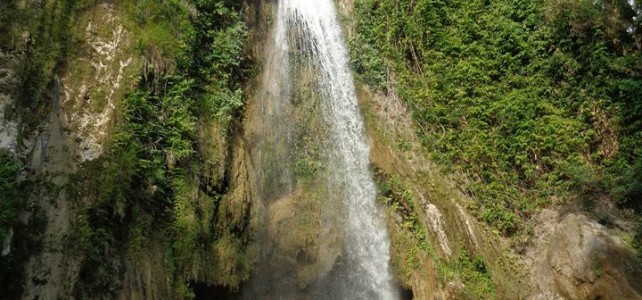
pixel 151 185
pixel 510 93
pixel 10 195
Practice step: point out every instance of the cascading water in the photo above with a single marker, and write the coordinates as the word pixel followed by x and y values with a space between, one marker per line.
pixel 366 243
pixel 308 33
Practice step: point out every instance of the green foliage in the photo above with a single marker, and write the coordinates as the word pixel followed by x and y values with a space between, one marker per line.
pixel 101 271
pixel 24 242
pixel 160 29
pixel 629 191
pixel 474 274
pixel 137 181
pixel 43 32
pixel 45 52
pixel 10 195
pixel 151 183
pixel 410 241
pixel 411 245
pixel 637 243
pixel 306 167
pixel 366 59
pixel 216 58
pixel 219 34
pixel 511 93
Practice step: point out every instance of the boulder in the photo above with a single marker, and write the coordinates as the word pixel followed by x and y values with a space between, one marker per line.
pixel 584 261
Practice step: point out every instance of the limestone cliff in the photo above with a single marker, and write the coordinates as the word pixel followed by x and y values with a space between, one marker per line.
pixel 67 69
pixel 109 208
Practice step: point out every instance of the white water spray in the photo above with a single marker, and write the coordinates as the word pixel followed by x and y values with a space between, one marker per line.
pixel 366 246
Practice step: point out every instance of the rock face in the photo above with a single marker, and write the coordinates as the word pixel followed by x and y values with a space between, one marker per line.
pixel 79 105
pixel 82 109
pixel 96 80
pixel 584 261
pixel 8 81
pixel 299 239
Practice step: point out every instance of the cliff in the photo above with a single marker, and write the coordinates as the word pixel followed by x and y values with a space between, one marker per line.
pixel 504 153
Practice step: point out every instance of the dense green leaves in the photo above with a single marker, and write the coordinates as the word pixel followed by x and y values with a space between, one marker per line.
pixel 10 195
pixel 14 189
pixel 153 183
pixel 512 92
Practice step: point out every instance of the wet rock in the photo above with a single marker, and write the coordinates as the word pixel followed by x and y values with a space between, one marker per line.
pixel 584 261
pixel 6 244
pixel 309 248
pixel 94 82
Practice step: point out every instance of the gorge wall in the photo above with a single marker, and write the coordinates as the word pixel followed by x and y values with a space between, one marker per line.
pixel 130 168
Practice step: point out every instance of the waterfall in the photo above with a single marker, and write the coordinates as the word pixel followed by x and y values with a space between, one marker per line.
pixel 308 33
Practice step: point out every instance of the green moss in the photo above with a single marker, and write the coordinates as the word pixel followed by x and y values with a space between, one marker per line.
pixel 473 272
pixel 153 185
pixel 11 197
pixel 412 247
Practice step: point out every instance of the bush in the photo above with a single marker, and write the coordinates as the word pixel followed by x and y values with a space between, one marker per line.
pixel 510 93
pixel 11 201
pixel 149 185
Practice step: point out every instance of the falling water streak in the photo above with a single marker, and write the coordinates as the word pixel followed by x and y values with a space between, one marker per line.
pixel 366 250
pixel 470 229
pixel 275 112
pixel 437 225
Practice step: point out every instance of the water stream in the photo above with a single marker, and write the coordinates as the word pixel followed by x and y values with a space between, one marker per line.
pixel 308 33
